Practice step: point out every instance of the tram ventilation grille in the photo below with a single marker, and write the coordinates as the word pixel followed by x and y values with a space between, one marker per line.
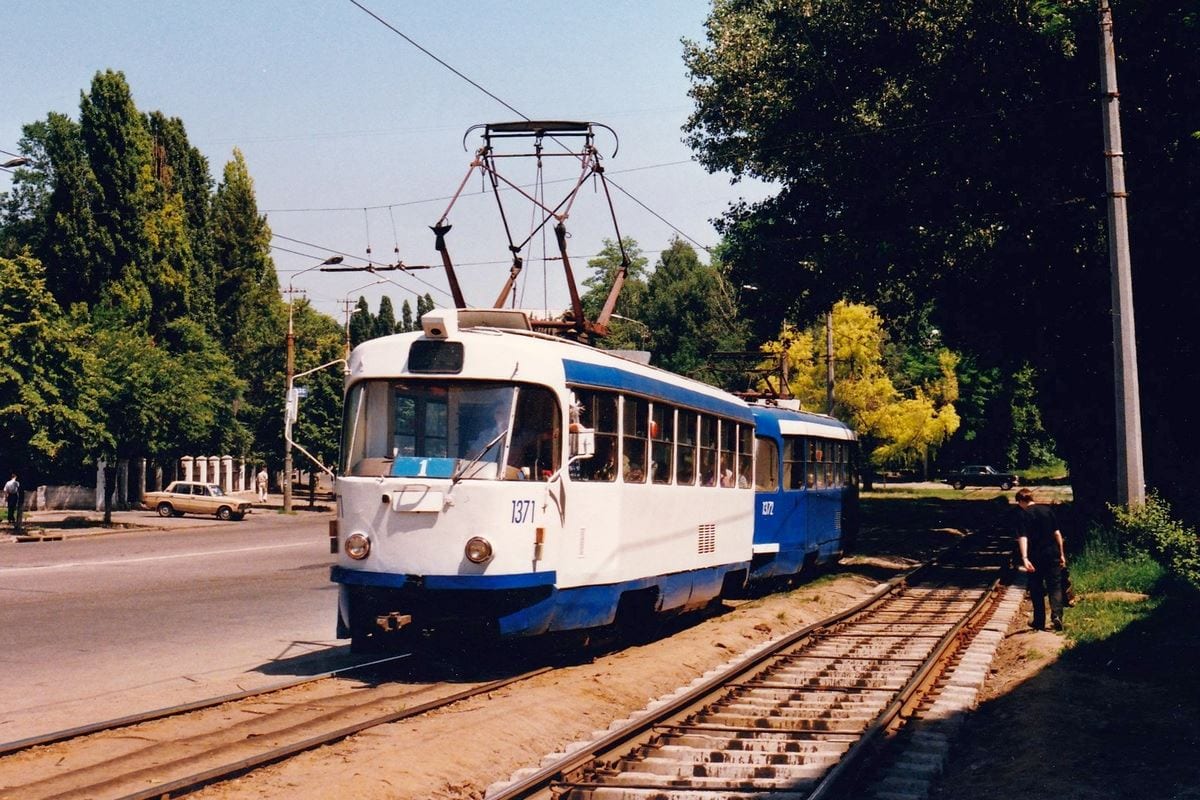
pixel 706 541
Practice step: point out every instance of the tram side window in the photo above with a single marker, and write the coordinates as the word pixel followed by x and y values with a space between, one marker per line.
pixel 537 435
pixel 810 466
pixel 829 464
pixel 745 456
pixel 685 458
pixel 728 453
pixel 793 462
pixel 662 440
pixel 635 430
pixel 599 412
pixel 766 460
pixel 708 450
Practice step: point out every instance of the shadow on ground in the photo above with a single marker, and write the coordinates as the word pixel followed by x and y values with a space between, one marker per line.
pixel 1110 719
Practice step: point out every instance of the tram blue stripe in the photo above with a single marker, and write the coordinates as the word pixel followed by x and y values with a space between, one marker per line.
pixel 523 580
pixel 603 377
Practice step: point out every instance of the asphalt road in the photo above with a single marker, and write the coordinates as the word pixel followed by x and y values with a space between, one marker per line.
pixel 98 627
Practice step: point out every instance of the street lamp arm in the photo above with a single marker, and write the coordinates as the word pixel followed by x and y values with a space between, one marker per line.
pixel 290 411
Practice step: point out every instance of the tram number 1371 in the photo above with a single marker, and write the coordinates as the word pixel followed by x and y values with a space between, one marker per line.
pixel 522 511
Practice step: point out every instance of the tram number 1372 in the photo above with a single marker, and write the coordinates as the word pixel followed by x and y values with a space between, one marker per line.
pixel 768 508
pixel 522 511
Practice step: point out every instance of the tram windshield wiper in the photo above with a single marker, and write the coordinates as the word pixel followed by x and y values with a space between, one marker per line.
pixel 458 474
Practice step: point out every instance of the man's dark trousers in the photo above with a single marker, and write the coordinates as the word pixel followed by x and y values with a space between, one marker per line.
pixel 1046 579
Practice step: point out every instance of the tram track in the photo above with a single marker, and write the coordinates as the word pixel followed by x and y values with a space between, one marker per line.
pixel 799 717
pixel 171 752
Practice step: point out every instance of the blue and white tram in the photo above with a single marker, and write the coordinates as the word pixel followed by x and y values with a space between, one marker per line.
pixel 806 498
pixel 503 482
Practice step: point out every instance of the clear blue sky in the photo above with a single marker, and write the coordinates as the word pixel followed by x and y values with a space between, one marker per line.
pixel 334 111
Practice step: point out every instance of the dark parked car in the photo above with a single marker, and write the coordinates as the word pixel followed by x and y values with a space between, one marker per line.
pixel 981 475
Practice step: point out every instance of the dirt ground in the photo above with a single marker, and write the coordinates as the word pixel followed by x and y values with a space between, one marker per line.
pixel 458 751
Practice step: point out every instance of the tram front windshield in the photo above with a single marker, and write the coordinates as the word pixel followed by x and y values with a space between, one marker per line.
pixel 470 430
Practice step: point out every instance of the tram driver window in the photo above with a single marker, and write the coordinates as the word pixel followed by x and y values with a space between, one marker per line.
pixel 536 440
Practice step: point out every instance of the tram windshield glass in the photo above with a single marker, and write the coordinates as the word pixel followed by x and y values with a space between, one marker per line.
pixel 460 429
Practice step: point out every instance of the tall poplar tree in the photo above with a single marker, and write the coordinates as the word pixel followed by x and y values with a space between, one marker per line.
pixel 385 320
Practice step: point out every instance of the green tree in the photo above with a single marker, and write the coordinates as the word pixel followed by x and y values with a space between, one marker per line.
pixel 1030 445
pixel 406 318
pixel 52 211
pixel 247 288
pixel 424 304
pixel 623 334
pixel 319 340
pixel 49 410
pixel 362 323
pixel 385 320
pixel 690 312
pixel 120 154
pixel 171 281
pixel 182 170
pixel 949 154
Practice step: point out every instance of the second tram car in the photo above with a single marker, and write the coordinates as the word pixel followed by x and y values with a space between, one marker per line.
pixel 503 482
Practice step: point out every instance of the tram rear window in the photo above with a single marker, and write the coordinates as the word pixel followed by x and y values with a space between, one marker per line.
pixel 435 357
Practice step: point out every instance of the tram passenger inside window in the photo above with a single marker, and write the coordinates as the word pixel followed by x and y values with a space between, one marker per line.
pixel 708 470
pixel 602 466
pixel 727 475
pixel 634 461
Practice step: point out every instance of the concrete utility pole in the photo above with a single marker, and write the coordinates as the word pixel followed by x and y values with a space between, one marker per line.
pixel 1131 480
pixel 287 407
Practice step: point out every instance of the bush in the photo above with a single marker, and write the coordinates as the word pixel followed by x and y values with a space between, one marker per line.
pixel 1170 542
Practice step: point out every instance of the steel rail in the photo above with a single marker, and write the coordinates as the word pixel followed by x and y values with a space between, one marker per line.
pixel 933 666
pixel 54 737
pixel 198 780
pixel 538 783
pixel 542 779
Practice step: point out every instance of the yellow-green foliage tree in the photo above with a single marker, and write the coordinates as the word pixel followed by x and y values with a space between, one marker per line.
pixel 894 428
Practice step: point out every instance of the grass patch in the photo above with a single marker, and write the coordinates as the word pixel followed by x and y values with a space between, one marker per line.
pixel 1101 568
pixel 1044 472
pixel 1107 564
pixel 1097 619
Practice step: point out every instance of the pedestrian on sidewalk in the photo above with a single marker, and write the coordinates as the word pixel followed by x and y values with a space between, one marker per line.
pixel 12 495
pixel 261 482
pixel 1043 559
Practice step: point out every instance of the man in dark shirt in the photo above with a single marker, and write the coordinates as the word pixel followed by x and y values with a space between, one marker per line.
pixel 1042 558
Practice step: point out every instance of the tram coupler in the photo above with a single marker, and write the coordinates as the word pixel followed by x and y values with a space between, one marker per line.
pixel 393 621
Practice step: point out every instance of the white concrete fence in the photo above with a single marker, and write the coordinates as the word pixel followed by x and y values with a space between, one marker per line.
pixel 230 473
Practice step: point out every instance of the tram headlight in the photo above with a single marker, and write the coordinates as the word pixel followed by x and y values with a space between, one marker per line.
pixel 478 550
pixel 357 546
